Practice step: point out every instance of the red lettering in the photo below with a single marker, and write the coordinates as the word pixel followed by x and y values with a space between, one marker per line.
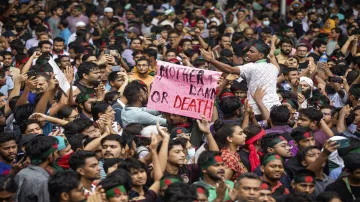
pixel 192 105
pixel 208 108
pixel 184 103
pixel 177 99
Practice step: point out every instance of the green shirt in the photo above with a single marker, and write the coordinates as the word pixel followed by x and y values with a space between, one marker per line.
pixel 212 189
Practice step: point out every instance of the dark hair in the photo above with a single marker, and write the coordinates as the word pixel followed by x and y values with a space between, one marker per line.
pixel 39 145
pixel 113 76
pixel 229 105
pixel 327 196
pixel 23 126
pixel 78 158
pixel 40 28
pixel 109 96
pixel 304 173
pixel 132 92
pixel 86 68
pixel 58 39
pixel 41 43
pixel 267 140
pixel 317 43
pixel 7 137
pixel 352 161
pixel 247 175
pixel 151 53
pixel 64 112
pixel 109 162
pixel 22 112
pixel 77 141
pixel 97 108
pixel 116 178
pixel 299 131
pixel 312 113
pixel 205 156
pixel 251 131
pixel 302 154
pixel 180 192
pixel 64 23
pixel 143 59
pixel 222 131
pixel 116 138
pixel 7 183
pixel 299 197
pixel 279 115
pixel 132 163
pixel 286 40
pixel 62 182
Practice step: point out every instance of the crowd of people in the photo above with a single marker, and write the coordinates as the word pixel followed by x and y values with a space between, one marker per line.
pixel 76 76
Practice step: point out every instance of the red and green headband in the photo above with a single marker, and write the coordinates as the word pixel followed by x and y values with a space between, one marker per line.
pixel 276 141
pixel 200 190
pixel 304 179
pixel 265 186
pixel 38 160
pixel 211 161
pixel 115 191
pixel 304 136
pixel 168 181
pixel 270 158
pixel 256 137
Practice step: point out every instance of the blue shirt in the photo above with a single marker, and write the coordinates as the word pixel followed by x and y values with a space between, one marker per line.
pixel 8 86
pixel 65 34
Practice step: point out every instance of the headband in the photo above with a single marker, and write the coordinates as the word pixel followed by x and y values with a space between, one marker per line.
pixel 115 191
pixel 259 47
pixel 265 186
pixel 306 179
pixel 276 141
pixel 200 190
pixel 290 102
pixel 168 181
pixel 253 156
pixel 211 161
pixel 303 136
pixel 39 159
pixel 271 158
pixel 83 97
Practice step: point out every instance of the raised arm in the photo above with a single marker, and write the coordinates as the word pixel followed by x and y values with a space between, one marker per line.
pixel 219 65
pixel 205 128
pixel 272 51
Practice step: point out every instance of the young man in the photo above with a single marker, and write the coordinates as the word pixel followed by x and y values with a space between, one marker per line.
pixel 112 147
pixel 65 186
pixel 89 77
pixel 265 192
pixel 313 118
pixel 87 167
pixel 64 30
pixel 257 73
pixel 142 67
pixel 76 16
pixel 59 47
pixel 301 52
pixel 8 152
pixel 247 187
pixel 348 187
pixel 33 180
pixel 53 21
pixel 135 112
pixel 273 168
pixel 213 170
pixel 286 46
pixel 319 47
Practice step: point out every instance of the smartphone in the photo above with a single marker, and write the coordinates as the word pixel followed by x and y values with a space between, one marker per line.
pixel 107 52
pixel 115 68
pixel 343 143
pixel 31 73
pixel 335 79
pixel 20 156
pixel 299 89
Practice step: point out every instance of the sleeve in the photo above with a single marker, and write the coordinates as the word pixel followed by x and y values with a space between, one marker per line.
pixel 152 112
pixel 346 96
pixel 149 119
pixel 10 83
pixel 245 70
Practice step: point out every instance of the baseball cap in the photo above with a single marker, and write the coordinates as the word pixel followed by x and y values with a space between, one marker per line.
pixel 176 131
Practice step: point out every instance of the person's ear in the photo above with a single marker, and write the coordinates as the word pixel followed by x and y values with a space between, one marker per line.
pixel 293 185
pixel 270 150
pixel 80 171
pixel 229 139
pixel 262 168
pixel 303 163
pixel 64 196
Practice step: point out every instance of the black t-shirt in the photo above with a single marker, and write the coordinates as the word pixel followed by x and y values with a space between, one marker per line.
pixel 339 186
pixel 304 65
pixel 84 89
pixel 188 174
pixel 292 166
pixel 315 56
pixel 244 157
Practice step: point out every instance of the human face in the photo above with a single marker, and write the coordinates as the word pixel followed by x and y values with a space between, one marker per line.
pixel 173 37
pixel 136 44
pixel 202 198
pixel 65 61
pixel 283 149
pixel 357 117
pixel 111 149
pixel 200 24
pixel 327 115
pixel 304 121
pixel 213 33
pixel 77 194
pixel 138 56
pixel 72 53
pixel 292 63
pixel 216 172
pixel 299 16
pixel 249 34
pixel 91 170
pixel 273 170
pixel 177 155
pixel 164 34
pixel 186 45
pixel 119 81
pixel 110 112
pixel 91 132
pixel 304 86
pixel 355 174
pixel 94 76
pixel 293 77
pixel 42 85
pixel 8 150
pixel 170 55
pixel 286 48
pixel 249 190
pixel 176 119
pixel 66 151
pixel 46 48
pixel 58 46
pixel 322 48
pixel 225 41
pixel 8 60
pixel 138 176
pixel 59 12
pixel 123 197
pixel 304 187
pixel 33 128
pixel 311 157
pixel 130 15
pixel 142 67
pixel 253 54
pixel 42 15
pixel 265 195
pixel 75 12
pixel 45 37
pixel 306 142
pixel 238 137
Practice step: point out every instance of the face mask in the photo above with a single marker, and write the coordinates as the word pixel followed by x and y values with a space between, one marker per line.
pixel 64 161
pixel 19 29
pixel 191 152
pixel 266 22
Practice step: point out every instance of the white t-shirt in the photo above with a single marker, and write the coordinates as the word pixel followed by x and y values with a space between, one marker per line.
pixel 261 74
pixel 337 101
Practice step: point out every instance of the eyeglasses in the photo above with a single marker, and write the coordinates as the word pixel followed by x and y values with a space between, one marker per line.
pixel 139 65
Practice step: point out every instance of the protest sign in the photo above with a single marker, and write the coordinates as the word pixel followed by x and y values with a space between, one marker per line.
pixel 182 90
pixel 60 76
